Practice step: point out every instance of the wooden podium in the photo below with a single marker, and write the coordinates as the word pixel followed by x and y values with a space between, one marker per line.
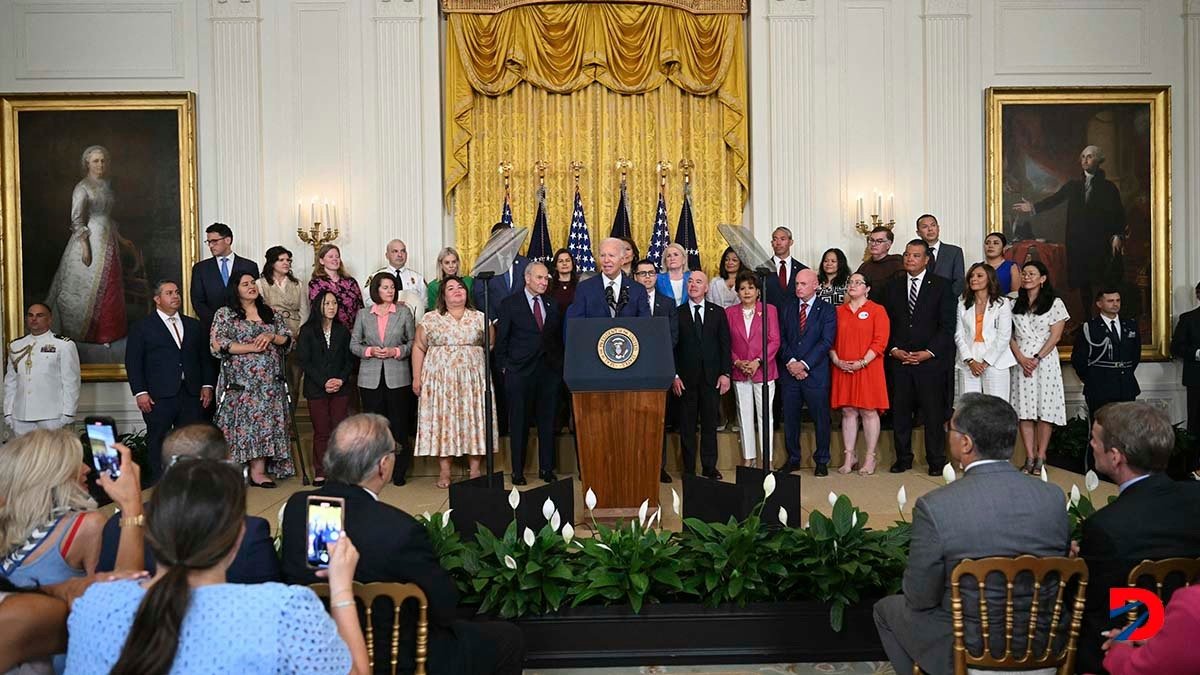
pixel 618 371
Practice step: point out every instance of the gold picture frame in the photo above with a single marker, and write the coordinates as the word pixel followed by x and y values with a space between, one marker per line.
pixel 1035 141
pixel 94 252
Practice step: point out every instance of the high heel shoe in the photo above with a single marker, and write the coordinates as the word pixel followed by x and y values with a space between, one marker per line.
pixel 1037 467
pixel 848 464
pixel 1028 468
pixel 868 468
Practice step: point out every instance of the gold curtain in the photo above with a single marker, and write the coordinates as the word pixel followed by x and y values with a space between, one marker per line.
pixel 592 82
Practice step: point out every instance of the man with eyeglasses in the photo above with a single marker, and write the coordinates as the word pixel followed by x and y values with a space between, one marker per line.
pixel 211 276
pixel 646 274
pixel 882 265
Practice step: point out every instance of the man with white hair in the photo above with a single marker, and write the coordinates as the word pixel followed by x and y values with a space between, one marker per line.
pixel 1095 227
pixel 611 293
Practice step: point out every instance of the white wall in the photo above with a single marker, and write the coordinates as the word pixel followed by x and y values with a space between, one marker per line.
pixel 341 98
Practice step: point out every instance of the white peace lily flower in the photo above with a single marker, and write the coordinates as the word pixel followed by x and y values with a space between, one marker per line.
pixel 555 520
pixel 446 519
pixel 676 502
pixel 948 474
pixel 547 508
pixel 589 500
pixel 657 517
pixel 529 538
pixel 1045 475
pixel 509 562
pixel 568 533
pixel 1074 495
pixel 514 498
pixel 902 498
pixel 854 519
pixel 832 499
pixel 605 547
pixel 1090 481
pixel 783 516
pixel 768 485
pixel 642 511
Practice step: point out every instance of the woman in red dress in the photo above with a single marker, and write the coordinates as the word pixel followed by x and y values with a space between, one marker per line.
pixel 858 386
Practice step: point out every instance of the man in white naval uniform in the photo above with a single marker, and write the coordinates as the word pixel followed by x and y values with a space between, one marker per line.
pixel 410 285
pixel 41 385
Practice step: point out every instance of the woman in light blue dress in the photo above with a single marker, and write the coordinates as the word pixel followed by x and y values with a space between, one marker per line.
pixel 187 620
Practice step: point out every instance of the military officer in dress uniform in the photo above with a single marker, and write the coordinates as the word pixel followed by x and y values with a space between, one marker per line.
pixel 410 286
pixel 1106 353
pixel 41 387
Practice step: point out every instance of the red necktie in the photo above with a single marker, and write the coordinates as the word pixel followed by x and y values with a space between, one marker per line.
pixel 803 316
pixel 783 275
pixel 537 313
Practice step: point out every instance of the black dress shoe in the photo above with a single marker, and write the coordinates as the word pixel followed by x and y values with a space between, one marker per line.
pixel 663 476
pixel 399 481
pixel 790 467
pixel 821 470
pixel 268 484
pixel 713 474
pixel 900 467
pixel 518 479
pixel 318 482
pixel 547 476
pixel 935 472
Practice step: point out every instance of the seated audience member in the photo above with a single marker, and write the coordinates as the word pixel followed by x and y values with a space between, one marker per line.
pixel 255 562
pixel 1153 518
pixel 187 619
pixel 49 526
pixel 395 548
pixel 1171 650
pixel 993 510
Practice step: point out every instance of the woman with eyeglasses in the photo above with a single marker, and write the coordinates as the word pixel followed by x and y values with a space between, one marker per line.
pixel 858 387
pixel 250 340
pixel 982 335
pixel 1039 317
pixel 187 619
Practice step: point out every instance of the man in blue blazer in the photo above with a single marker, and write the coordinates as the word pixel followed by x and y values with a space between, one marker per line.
pixel 809 326
pixel 611 293
pixel 255 561
pixel 171 372
pixel 210 276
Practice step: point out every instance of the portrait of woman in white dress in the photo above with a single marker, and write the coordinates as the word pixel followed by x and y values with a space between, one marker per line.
pixel 87 296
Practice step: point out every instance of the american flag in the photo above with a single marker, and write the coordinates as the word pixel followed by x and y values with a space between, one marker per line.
pixel 540 248
pixel 579 241
pixel 661 236
pixel 685 233
pixel 506 214
pixel 621 228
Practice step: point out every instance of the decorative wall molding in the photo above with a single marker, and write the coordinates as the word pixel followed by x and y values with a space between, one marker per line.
pixel 148 35
pixel 947 8
pixel 394 9
pixel 950 105
pixel 234 9
pixel 400 177
pixel 1072 37
pixel 792 117
pixel 1191 128
pixel 795 9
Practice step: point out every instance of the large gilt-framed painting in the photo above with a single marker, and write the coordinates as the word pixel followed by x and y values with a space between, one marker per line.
pixel 98 203
pixel 1080 178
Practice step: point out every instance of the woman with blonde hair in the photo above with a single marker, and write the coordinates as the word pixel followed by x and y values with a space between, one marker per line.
pixel 449 264
pixel 673 281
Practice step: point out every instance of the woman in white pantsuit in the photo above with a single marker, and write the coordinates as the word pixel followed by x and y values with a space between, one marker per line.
pixel 983 333
pixel 746 324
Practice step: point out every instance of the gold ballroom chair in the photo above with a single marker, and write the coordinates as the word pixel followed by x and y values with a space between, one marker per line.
pixel 367 594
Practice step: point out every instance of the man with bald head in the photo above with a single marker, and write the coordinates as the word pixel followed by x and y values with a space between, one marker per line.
pixel 611 293
pixel 808 325
pixel 703 362
pixel 393 547
pixel 1095 227
pixel 410 285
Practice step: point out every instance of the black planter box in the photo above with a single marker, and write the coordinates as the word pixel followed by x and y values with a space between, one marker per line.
pixel 685 634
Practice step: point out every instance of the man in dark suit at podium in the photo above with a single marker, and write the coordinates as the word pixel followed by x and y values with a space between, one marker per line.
pixel 171 373
pixel 703 361
pixel 529 353
pixel 808 326
pixel 611 293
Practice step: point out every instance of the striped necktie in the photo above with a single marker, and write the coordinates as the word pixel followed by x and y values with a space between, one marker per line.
pixel 912 296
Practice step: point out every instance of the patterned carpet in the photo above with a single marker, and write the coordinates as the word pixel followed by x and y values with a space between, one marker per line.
pixel 862 668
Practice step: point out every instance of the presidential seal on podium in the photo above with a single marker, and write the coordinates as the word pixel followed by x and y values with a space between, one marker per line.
pixel 618 348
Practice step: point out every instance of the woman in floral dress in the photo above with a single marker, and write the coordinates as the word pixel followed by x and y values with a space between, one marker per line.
pixel 251 341
pixel 448 376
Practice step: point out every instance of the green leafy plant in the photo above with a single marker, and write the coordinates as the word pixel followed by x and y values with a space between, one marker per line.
pixel 1071 439
pixel 519 575
pixel 735 562
pixel 628 565
pixel 449 548
pixel 1080 506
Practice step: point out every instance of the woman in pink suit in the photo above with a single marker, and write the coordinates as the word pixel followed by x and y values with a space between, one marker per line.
pixel 858 386
pixel 745 340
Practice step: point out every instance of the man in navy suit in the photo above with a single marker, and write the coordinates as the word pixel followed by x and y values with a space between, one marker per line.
pixel 529 352
pixel 255 561
pixel 945 260
pixel 611 293
pixel 171 372
pixel 809 326
pixel 500 286
pixel 781 287
pixel 209 277
pixel 923 313
pixel 703 361
pixel 646 274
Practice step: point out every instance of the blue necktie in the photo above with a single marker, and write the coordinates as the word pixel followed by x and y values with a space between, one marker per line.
pixel 508 280
pixel 225 270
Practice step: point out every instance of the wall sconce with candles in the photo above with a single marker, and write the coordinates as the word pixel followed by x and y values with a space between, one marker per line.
pixel 877 216
pixel 319 213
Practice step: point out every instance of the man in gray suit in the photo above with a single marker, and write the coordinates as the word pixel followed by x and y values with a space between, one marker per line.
pixel 993 510
pixel 945 260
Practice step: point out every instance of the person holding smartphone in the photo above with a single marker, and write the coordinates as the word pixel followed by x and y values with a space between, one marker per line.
pixel 188 614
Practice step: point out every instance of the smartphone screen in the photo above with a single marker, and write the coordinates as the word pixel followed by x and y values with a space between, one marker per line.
pixel 101 436
pixel 325 524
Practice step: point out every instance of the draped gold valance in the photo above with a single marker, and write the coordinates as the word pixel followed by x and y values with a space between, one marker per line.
pixel 563 48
